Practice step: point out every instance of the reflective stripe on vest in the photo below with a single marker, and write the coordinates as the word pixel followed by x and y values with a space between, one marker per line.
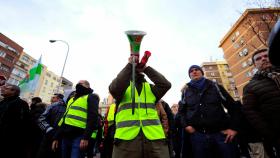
pixel 94 134
pixel 76 112
pixel 111 113
pixel 145 116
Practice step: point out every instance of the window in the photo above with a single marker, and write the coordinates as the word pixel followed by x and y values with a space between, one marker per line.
pixel 240 54
pixel 3 44
pixel 46 82
pixel 210 67
pixel 233 39
pixel 245 51
pixel 2 53
pixel 250 62
pixel 5 68
pixel 9 58
pixel 242 41
pixel 231 80
pixel 236 45
pixel 228 74
pixel 248 74
pixel 13 81
pixel 19 73
pixel 237 33
pixel 244 64
pixel 48 74
pixel 25 59
pixel 12 49
pixel 226 67
pixel 32 62
pixel 212 74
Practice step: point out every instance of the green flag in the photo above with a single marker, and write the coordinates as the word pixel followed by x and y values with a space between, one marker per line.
pixel 30 82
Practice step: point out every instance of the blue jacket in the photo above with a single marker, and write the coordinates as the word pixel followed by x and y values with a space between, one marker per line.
pixel 51 116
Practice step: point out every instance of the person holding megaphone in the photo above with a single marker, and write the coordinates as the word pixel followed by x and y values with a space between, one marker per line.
pixel 139 133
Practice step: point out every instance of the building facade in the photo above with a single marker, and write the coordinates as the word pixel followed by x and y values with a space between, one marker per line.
pixel 248 34
pixel 219 72
pixel 48 86
pixel 21 68
pixel 10 52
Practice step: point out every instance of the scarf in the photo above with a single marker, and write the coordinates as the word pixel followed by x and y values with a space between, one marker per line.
pixel 81 90
pixel 275 76
pixel 198 84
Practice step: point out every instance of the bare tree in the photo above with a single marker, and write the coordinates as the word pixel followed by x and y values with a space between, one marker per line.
pixel 263 3
pixel 261 23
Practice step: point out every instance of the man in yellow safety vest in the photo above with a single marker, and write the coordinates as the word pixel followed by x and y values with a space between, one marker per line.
pixel 79 122
pixel 139 133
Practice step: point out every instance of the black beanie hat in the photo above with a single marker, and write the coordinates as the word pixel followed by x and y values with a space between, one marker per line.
pixel 197 67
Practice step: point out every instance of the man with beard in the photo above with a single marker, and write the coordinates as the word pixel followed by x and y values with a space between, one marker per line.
pixel 261 99
pixel 139 133
pixel 78 123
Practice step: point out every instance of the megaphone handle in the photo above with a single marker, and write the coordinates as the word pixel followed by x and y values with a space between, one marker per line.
pixel 133 85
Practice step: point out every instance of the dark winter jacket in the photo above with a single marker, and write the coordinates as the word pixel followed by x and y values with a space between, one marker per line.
pixel 204 109
pixel 119 85
pixel 48 121
pixel 35 112
pixel 261 106
pixel 14 127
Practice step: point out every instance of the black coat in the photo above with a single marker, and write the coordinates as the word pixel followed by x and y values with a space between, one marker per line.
pixel 261 106
pixel 14 127
pixel 203 109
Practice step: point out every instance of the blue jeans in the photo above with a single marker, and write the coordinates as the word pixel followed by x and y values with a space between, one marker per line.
pixel 211 145
pixel 71 148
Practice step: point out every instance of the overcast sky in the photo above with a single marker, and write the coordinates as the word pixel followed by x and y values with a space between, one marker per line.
pixel 180 33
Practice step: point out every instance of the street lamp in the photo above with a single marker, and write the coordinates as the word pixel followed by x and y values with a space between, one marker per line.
pixel 52 41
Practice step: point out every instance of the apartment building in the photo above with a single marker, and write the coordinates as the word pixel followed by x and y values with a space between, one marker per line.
pixel 249 33
pixel 10 52
pixel 218 71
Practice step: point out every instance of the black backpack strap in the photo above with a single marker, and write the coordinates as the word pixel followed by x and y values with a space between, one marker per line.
pixel 184 90
pixel 219 91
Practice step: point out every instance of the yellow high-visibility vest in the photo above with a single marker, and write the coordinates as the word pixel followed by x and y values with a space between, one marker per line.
pixel 145 116
pixel 76 113
pixel 111 113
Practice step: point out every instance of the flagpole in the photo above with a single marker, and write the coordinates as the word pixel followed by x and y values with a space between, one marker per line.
pixel 52 41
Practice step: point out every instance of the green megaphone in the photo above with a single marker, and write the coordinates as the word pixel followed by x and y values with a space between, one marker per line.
pixel 135 38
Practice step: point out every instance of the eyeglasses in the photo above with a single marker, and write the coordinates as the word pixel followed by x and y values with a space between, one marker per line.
pixel 260 57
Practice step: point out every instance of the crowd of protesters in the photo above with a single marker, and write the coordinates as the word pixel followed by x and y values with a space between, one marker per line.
pixel 206 123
